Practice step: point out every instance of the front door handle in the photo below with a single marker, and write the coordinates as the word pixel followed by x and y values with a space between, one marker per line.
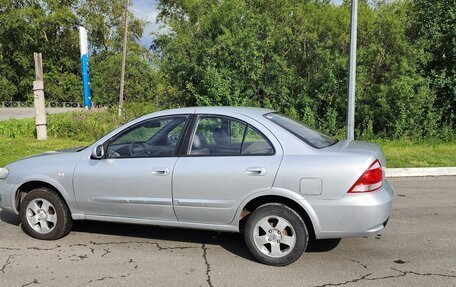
pixel 255 171
pixel 160 171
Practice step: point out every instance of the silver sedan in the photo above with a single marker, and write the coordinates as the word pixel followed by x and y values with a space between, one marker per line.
pixel 229 169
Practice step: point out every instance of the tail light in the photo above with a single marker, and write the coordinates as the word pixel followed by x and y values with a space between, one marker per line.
pixel 370 180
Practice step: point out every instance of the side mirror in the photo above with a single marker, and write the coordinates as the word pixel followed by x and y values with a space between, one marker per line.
pixel 98 152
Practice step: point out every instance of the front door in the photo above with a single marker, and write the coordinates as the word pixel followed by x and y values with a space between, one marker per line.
pixel 227 159
pixel 134 178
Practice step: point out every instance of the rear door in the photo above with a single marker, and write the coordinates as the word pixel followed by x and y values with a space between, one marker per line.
pixel 227 158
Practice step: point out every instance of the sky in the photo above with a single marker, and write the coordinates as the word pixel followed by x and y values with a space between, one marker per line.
pixel 147 10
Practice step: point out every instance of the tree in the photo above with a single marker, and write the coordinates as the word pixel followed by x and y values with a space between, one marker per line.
pixel 292 56
pixel 141 79
pixel 433 27
pixel 49 27
pixel 104 21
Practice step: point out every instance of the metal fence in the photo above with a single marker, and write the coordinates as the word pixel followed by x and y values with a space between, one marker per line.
pixel 18 104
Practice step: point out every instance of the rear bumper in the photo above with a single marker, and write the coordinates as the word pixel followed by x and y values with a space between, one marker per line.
pixel 353 215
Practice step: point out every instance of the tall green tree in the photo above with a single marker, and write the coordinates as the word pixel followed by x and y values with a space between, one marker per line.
pixel 433 27
pixel 393 98
pixel 141 79
pixel 292 55
pixel 105 21
pixel 49 27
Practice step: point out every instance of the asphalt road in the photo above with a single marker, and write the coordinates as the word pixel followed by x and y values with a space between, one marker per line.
pixel 21 113
pixel 417 248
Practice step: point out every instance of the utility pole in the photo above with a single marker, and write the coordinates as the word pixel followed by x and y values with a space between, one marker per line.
pixel 124 55
pixel 38 98
pixel 350 133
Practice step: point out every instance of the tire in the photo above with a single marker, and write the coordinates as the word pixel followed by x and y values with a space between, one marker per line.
pixel 45 215
pixel 275 234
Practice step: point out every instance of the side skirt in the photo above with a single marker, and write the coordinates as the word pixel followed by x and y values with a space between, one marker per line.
pixel 167 223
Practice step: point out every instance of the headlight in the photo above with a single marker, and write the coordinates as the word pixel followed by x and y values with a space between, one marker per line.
pixel 3 173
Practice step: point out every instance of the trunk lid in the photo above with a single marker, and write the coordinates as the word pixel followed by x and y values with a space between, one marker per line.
pixel 359 147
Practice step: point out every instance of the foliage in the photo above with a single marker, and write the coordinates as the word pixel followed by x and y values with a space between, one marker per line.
pixel 393 97
pixel 139 87
pixel 289 55
pixel 105 21
pixel 433 26
pixel 293 56
pixel 18 128
pixel 51 27
pixel 80 126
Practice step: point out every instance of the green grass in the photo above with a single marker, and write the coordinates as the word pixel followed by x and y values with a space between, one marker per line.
pixel 82 128
pixel 12 149
pixel 404 153
pixel 399 153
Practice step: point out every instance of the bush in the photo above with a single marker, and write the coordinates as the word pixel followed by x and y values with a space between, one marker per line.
pixel 81 126
pixel 18 128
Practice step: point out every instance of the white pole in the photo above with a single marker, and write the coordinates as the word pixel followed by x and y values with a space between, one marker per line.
pixel 84 47
pixel 350 133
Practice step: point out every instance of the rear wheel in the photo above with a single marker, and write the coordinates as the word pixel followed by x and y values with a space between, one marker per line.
pixel 275 234
pixel 45 215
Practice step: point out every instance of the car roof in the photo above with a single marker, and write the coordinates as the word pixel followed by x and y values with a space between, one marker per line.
pixel 248 111
pixel 238 110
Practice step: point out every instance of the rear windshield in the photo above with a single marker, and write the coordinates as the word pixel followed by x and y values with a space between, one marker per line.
pixel 306 134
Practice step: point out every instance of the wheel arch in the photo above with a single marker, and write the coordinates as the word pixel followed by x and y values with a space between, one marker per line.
pixel 301 206
pixel 32 184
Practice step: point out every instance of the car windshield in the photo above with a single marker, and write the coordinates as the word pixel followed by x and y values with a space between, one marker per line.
pixel 306 134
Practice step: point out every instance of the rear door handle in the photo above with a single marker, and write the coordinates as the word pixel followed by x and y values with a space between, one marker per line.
pixel 160 171
pixel 255 171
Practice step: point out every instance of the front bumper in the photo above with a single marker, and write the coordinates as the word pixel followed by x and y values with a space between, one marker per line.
pixel 7 194
pixel 354 215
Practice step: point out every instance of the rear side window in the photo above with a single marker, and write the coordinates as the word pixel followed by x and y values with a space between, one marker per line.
pixel 222 136
pixel 255 143
pixel 306 134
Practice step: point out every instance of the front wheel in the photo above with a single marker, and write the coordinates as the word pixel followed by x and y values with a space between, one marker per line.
pixel 45 215
pixel 275 234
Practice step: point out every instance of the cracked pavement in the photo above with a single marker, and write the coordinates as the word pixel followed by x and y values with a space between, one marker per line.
pixel 417 248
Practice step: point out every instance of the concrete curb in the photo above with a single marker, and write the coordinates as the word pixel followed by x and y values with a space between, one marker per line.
pixel 419 172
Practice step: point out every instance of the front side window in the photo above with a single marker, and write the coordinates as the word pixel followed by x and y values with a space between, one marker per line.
pixel 220 136
pixel 151 138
